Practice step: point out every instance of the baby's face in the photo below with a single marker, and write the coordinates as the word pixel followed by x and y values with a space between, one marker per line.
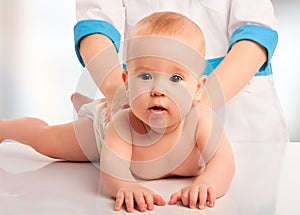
pixel 161 92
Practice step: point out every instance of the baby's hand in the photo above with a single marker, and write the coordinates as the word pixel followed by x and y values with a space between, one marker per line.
pixel 193 194
pixel 143 197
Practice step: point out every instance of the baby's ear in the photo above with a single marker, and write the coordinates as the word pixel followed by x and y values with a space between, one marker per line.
pixel 124 75
pixel 125 78
pixel 200 88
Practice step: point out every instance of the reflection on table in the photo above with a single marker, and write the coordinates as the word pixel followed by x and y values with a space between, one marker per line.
pixel 33 184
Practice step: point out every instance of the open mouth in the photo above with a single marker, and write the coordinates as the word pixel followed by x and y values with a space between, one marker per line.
pixel 157 109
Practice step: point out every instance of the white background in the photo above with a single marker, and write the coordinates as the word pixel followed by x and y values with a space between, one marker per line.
pixel 39 69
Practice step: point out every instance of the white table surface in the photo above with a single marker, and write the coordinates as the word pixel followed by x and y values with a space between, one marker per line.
pixel 33 184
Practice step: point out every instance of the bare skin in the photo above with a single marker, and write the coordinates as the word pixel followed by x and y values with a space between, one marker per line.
pixel 1 138
pixel 247 56
pixel 209 185
pixel 78 100
pixel 74 141
pixel 39 136
pixel 50 139
pixel 90 46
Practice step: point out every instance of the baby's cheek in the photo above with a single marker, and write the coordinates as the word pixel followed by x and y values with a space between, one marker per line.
pixel 137 88
pixel 181 98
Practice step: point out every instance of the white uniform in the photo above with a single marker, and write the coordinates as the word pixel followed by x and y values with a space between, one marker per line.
pixel 254 114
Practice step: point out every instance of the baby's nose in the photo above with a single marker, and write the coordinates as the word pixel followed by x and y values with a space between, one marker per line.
pixel 157 93
pixel 159 88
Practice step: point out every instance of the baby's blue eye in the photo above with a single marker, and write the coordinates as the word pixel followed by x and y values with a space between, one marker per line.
pixel 145 76
pixel 176 78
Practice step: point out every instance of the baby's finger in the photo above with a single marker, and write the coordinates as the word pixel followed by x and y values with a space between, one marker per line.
pixel 140 201
pixel 211 197
pixel 175 197
pixel 158 200
pixel 185 197
pixel 193 198
pixel 202 197
pixel 119 201
pixel 149 201
pixel 129 202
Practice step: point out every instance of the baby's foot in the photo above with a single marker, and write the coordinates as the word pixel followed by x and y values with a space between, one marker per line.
pixel 78 100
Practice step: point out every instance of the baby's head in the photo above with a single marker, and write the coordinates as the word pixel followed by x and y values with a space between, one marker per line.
pixel 172 25
pixel 170 36
pixel 165 61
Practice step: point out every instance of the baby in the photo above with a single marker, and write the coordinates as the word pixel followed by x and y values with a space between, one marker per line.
pixel 166 131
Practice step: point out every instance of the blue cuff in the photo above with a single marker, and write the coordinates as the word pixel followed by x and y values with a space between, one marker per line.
pixel 264 36
pixel 86 27
pixel 211 64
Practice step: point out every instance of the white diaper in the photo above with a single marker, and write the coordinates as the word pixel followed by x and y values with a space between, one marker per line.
pixel 96 111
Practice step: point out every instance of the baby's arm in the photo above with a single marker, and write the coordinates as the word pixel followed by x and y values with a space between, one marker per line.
pixel 117 178
pixel 216 178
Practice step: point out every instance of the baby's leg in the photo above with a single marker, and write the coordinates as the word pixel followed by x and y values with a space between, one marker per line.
pixel 73 141
pixel 78 100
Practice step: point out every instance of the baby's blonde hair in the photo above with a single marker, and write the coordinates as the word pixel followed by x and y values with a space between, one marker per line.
pixel 171 24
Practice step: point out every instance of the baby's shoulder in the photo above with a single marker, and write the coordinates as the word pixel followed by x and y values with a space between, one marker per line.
pixel 205 116
pixel 204 112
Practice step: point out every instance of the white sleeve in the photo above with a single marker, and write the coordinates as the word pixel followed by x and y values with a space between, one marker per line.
pixel 256 12
pixel 105 17
pixel 111 11
pixel 254 21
